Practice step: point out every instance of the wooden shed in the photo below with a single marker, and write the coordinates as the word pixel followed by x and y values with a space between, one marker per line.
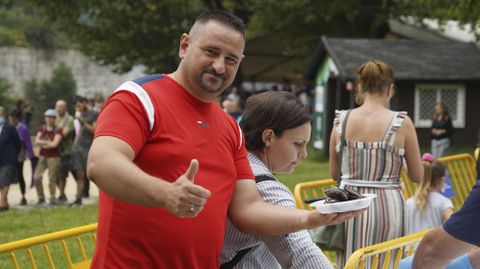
pixel 425 73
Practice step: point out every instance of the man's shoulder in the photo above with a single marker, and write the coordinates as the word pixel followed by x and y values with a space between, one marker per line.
pixel 148 79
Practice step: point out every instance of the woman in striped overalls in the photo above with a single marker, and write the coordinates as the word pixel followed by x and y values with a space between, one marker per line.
pixel 377 141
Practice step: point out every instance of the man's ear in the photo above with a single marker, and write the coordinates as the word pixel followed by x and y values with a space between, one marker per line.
pixel 267 137
pixel 184 43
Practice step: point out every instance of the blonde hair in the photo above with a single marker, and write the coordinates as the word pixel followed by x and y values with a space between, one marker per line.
pixel 374 77
pixel 433 173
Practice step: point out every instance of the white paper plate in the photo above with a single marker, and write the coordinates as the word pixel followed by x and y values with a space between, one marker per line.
pixel 351 205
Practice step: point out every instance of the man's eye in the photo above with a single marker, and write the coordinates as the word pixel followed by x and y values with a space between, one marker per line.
pixel 231 61
pixel 210 52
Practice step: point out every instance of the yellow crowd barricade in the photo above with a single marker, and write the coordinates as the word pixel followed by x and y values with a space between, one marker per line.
pixel 52 257
pixel 311 189
pixel 386 252
pixel 461 168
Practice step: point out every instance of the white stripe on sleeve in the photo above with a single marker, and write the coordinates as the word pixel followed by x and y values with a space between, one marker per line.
pixel 142 95
pixel 240 136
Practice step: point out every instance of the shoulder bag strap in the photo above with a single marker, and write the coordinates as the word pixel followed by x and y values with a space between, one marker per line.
pixel 262 178
pixel 342 145
pixel 230 264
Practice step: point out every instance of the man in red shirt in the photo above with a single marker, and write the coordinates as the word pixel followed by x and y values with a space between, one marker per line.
pixel 171 164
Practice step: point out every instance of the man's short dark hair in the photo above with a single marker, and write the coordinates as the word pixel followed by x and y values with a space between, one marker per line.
pixel 224 17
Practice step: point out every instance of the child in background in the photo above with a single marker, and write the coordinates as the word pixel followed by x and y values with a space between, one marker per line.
pixel 428 208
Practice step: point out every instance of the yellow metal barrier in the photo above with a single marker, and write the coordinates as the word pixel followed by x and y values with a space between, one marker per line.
pixel 44 240
pixel 461 168
pixel 306 190
pixel 384 252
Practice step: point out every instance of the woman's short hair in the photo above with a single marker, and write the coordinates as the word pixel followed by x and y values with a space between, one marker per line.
pixel 374 76
pixel 278 111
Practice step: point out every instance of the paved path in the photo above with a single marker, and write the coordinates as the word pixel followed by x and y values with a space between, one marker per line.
pixel 14 195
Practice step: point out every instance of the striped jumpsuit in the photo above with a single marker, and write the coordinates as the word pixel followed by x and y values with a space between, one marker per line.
pixel 373 167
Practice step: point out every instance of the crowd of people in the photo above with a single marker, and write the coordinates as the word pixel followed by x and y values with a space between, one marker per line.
pixel 186 185
pixel 60 146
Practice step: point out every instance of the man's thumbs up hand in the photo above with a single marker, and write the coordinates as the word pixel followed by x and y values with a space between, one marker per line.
pixel 185 199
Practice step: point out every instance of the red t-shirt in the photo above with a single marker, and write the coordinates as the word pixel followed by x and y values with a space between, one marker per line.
pixel 167 127
pixel 49 135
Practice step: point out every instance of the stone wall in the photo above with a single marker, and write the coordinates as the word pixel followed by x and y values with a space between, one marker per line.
pixel 21 64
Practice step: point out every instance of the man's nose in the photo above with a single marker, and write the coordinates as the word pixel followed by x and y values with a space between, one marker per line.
pixel 219 65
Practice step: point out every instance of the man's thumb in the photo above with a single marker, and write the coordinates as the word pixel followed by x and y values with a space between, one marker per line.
pixel 192 170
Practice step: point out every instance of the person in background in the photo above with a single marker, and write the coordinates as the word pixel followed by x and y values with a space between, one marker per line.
pixel 171 164
pixel 87 119
pixel 378 140
pixel 10 145
pixel 442 130
pixel 27 112
pixel 232 106
pixel 277 130
pixel 65 121
pixel 428 208
pixel 455 244
pixel 48 138
pixel 15 117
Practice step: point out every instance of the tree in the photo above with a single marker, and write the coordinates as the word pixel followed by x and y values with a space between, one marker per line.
pixel 131 32
pixel 45 93
pixel 5 100
pixel 24 26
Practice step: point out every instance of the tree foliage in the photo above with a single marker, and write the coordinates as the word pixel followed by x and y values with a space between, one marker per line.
pixel 130 32
pixel 5 100
pixel 43 94
pixel 24 26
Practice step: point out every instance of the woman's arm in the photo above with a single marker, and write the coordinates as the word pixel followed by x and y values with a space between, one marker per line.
pixel 333 154
pixel 447 212
pixel 412 151
pixel 27 142
pixel 54 143
pixel 38 141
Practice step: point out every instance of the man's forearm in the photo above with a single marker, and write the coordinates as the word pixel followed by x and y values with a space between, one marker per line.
pixel 437 249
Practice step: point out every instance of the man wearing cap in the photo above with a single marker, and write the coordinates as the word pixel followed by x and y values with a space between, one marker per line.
pixel 48 139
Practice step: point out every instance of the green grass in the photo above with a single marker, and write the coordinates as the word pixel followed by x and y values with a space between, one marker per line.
pixel 20 224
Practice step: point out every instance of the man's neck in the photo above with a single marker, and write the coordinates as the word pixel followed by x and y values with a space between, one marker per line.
pixel 177 76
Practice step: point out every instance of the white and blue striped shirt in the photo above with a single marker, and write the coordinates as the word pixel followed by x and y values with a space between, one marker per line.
pixel 295 250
